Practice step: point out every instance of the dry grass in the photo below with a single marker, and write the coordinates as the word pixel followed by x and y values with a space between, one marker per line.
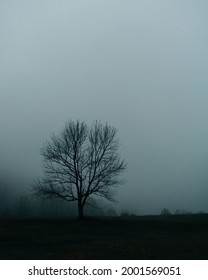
pixel 148 237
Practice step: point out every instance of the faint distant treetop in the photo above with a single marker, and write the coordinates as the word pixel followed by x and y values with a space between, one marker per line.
pixel 165 211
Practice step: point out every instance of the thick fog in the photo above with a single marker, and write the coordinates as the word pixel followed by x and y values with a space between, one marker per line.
pixel 139 65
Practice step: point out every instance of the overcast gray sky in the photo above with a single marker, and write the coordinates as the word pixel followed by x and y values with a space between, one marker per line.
pixel 140 65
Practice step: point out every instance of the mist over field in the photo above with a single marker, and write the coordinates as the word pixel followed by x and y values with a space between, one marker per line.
pixel 141 66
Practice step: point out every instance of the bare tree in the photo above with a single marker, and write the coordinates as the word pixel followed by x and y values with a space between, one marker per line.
pixel 81 163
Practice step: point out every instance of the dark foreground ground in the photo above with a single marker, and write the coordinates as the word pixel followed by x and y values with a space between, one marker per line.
pixel 148 237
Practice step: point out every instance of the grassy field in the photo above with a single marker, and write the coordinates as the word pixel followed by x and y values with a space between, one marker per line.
pixel 144 237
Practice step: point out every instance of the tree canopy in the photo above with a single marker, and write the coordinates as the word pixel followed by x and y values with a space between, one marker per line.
pixel 80 163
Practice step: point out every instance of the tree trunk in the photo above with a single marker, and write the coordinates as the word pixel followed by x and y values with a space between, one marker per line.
pixel 80 211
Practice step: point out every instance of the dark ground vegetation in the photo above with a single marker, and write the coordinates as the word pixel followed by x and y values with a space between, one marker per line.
pixel 142 237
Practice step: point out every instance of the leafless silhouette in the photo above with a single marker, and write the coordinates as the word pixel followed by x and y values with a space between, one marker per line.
pixel 80 163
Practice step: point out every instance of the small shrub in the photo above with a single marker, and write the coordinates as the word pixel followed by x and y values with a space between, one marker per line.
pixel 165 212
pixel 124 214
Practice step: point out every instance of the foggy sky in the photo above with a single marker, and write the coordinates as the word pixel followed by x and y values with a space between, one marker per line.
pixel 140 65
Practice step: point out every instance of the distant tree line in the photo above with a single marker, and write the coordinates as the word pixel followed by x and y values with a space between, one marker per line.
pixel 24 206
pixel 166 211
